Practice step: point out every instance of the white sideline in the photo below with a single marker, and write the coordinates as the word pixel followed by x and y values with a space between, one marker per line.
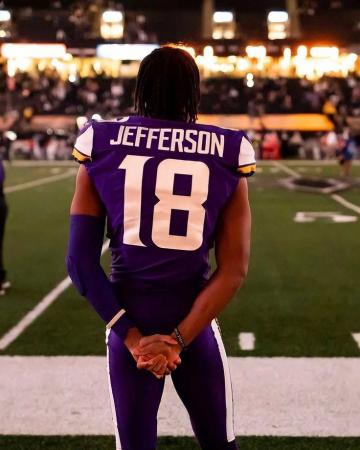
pixel 286 169
pixel 14 332
pixel 39 182
pixel 247 341
pixel 356 337
pixel 346 203
pixel 273 397
pixel 335 197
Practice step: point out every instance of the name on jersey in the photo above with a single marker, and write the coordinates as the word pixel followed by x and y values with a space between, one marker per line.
pixel 171 139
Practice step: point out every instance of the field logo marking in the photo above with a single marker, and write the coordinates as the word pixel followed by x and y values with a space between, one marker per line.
pixel 335 197
pixel 247 341
pixel 313 216
pixel 10 336
pixel 39 182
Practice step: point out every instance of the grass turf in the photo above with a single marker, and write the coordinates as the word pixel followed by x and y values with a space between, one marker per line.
pixel 17 175
pixel 298 300
pixel 107 443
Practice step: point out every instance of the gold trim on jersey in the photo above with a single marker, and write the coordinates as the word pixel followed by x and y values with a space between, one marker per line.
pixel 247 169
pixel 79 156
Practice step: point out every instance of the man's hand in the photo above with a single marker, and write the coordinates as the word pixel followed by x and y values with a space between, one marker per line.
pixel 157 345
pixel 159 354
pixel 156 364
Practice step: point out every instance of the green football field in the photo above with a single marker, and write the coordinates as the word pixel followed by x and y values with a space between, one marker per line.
pixel 301 298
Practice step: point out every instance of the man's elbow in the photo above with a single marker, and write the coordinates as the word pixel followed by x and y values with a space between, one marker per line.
pixel 240 276
pixel 236 276
pixel 73 266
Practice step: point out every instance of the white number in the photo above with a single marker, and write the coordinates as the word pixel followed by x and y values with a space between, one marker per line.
pixel 134 168
pixel 193 203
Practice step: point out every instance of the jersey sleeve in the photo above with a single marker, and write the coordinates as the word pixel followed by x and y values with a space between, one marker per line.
pixel 83 147
pixel 246 162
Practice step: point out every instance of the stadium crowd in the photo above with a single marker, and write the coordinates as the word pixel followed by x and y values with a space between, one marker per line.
pixel 45 92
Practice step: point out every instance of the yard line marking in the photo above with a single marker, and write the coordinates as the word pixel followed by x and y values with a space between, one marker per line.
pixel 335 197
pixel 39 182
pixel 38 309
pixel 346 203
pixel 246 341
pixel 286 169
pixel 356 337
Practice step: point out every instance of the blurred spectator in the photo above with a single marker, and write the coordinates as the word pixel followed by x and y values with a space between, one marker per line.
pixel 46 92
pixel 347 154
pixel 271 145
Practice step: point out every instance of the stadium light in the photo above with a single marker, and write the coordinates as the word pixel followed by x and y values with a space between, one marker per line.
pixel 302 51
pixel 112 16
pixel 324 52
pixel 278 17
pixel 256 51
pixel 35 51
pixel 223 26
pixel 130 52
pixel 112 24
pixel 5 15
pixel 287 53
pixel 278 25
pixel 223 17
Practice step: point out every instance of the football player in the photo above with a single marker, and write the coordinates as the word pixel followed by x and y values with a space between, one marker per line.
pixel 170 189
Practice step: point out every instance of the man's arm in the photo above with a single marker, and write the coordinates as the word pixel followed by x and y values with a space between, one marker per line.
pixel 87 220
pixel 232 250
pixel 87 216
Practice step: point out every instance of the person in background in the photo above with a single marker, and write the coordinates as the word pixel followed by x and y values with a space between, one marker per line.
pixel 347 154
pixel 4 284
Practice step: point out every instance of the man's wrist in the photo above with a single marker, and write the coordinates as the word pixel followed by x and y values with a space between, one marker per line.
pixel 132 338
pixel 181 345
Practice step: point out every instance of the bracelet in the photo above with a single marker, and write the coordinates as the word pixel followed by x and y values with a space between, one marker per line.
pixel 179 339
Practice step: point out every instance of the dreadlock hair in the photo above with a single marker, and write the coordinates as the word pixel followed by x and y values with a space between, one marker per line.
pixel 168 85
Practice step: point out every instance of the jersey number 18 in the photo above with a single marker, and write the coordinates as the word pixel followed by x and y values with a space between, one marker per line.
pixel 193 203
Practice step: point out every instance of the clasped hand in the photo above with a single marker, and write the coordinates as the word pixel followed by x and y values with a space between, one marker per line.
pixel 159 354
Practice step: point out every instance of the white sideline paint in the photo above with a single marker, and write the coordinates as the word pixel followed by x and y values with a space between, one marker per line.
pixel 346 203
pixel 39 182
pixel 356 337
pixel 38 309
pixel 247 341
pixel 286 169
pixel 273 397
pixel 335 197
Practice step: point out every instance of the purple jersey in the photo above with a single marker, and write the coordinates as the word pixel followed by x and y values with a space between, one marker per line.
pixel 164 185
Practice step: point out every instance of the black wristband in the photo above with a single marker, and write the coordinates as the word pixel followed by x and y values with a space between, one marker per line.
pixel 179 339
